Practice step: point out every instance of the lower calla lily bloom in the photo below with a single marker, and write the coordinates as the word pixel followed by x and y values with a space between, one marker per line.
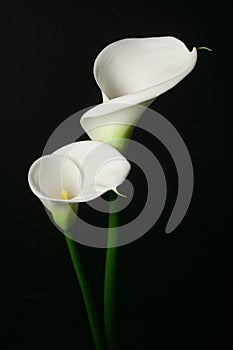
pixel 78 172
pixel 133 72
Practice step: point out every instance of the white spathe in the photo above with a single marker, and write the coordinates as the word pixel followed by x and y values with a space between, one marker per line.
pixel 78 172
pixel 132 72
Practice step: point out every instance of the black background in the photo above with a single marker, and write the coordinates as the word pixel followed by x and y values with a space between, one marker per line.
pixel 173 291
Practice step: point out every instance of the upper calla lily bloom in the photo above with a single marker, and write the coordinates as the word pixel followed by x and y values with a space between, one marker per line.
pixel 133 72
pixel 78 172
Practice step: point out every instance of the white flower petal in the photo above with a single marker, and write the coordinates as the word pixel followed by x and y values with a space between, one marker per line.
pixel 102 167
pixel 84 170
pixel 111 120
pixel 128 66
pixel 50 175
pixel 133 72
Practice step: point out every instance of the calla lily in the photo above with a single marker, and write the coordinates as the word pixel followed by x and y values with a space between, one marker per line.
pixel 78 172
pixel 132 72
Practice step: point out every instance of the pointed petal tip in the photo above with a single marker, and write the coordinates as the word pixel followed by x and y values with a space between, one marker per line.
pixel 118 193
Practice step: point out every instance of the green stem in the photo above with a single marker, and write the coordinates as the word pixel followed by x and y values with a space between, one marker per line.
pixel 110 279
pixel 87 297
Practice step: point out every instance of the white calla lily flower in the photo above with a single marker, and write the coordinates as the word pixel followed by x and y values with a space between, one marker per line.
pixel 78 172
pixel 132 72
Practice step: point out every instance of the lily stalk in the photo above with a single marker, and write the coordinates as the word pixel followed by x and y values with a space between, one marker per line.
pixel 131 73
pixel 97 335
pixel 77 173
pixel 110 325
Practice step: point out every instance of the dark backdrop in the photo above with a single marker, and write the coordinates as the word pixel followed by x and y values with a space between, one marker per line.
pixel 173 291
